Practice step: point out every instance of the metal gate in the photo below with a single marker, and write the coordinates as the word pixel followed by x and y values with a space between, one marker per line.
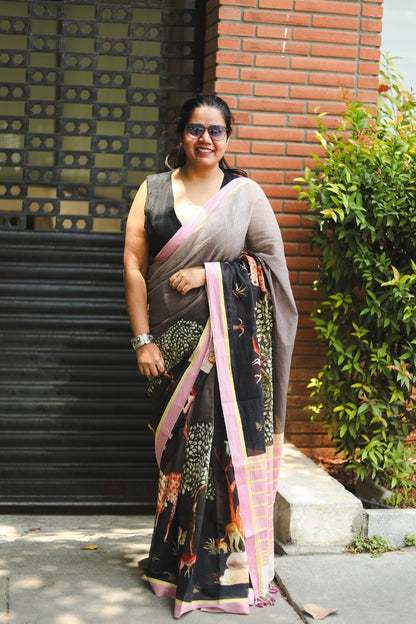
pixel 89 94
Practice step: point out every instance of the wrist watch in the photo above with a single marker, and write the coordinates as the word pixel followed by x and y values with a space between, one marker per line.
pixel 141 340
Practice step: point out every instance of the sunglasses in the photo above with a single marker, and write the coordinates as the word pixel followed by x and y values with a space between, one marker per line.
pixel 196 130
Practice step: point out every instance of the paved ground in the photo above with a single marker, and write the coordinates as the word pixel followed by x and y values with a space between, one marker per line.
pixel 48 577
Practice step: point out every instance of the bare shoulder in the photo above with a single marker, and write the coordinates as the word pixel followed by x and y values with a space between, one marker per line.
pixel 140 199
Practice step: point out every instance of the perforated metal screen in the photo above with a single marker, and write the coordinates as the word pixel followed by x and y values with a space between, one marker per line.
pixel 88 97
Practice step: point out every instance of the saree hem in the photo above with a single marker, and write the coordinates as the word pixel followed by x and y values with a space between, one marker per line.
pixel 215 605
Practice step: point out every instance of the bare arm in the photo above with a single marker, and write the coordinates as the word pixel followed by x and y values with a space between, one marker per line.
pixel 136 259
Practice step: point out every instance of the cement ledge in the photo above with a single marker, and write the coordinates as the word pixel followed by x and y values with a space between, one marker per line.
pixel 392 524
pixel 314 513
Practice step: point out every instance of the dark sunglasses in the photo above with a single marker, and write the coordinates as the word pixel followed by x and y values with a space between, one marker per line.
pixel 217 133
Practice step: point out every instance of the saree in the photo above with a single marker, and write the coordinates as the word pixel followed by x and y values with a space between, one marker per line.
pixel 219 410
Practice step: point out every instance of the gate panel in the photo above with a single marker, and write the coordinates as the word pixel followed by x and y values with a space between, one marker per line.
pixel 89 94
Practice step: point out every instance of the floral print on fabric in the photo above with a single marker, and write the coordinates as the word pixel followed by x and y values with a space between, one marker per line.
pixel 176 344
pixel 198 553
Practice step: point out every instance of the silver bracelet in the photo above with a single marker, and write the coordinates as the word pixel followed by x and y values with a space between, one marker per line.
pixel 142 339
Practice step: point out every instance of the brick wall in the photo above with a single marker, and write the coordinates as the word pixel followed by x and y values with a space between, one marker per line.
pixel 277 62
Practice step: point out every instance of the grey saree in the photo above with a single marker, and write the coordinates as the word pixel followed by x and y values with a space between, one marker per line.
pixel 219 410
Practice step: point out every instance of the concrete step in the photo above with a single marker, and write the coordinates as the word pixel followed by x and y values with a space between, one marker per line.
pixel 313 511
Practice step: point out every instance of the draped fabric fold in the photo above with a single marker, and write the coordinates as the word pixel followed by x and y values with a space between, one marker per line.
pixel 219 410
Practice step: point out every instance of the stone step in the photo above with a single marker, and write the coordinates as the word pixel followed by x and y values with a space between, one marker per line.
pixel 313 511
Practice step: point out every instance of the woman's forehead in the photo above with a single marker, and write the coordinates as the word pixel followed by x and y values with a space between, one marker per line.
pixel 207 115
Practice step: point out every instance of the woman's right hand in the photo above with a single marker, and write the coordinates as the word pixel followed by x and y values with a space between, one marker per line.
pixel 185 280
pixel 150 360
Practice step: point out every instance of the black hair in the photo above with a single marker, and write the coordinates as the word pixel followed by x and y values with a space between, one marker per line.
pixel 176 158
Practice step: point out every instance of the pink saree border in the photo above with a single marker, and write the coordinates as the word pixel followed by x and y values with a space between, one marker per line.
pixel 190 226
pixel 225 605
pixel 233 421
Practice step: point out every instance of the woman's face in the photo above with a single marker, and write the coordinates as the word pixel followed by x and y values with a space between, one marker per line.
pixel 204 151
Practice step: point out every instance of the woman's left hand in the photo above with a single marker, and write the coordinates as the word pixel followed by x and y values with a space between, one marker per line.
pixel 185 280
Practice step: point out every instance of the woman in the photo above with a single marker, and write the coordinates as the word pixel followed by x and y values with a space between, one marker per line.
pixel 214 320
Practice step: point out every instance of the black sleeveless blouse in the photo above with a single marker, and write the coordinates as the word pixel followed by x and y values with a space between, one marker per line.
pixel 161 221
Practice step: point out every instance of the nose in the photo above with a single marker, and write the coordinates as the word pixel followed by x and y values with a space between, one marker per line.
pixel 205 135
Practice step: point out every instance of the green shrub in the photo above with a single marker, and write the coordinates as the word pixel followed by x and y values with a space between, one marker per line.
pixel 362 200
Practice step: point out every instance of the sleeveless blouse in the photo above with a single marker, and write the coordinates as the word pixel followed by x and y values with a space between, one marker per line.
pixel 161 222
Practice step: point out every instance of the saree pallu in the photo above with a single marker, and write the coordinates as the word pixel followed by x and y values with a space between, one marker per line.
pixel 219 410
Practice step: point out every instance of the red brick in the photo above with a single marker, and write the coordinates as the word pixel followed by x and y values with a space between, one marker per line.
pixel 235 88
pixel 289 192
pixel 306 278
pixel 321 6
pixel 344 80
pixel 326 106
pixel 237 29
pixel 370 54
pixel 333 51
pixel 261 45
pixel 240 117
pixel 270 90
pixel 228 43
pixel 315 93
pixel 272 162
pixel 234 58
pixel 300 149
pixel 370 10
pixel 370 40
pixel 335 21
pixel 286 220
pixel 231 101
pixel 271 17
pixel 284 5
pixel 271 60
pixel 246 3
pixel 264 75
pixel 369 68
pixel 230 13
pixel 276 192
pixel 280 46
pixel 272 134
pixel 367 97
pixel 268 119
pixel 276 105
pixel 371 25
pixel 224 71
pixel 325 36
pixel 267 177
pixel 267 147
pixel 332 65
pixel 301 121
pixel 366 82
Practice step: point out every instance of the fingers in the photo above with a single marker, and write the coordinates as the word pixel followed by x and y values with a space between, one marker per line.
pixel 186 279
pixel 150 361
pixel 152 370
pixel 180 282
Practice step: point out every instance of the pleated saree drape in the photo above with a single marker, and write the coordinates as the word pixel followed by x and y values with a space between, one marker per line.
pixel 219 411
